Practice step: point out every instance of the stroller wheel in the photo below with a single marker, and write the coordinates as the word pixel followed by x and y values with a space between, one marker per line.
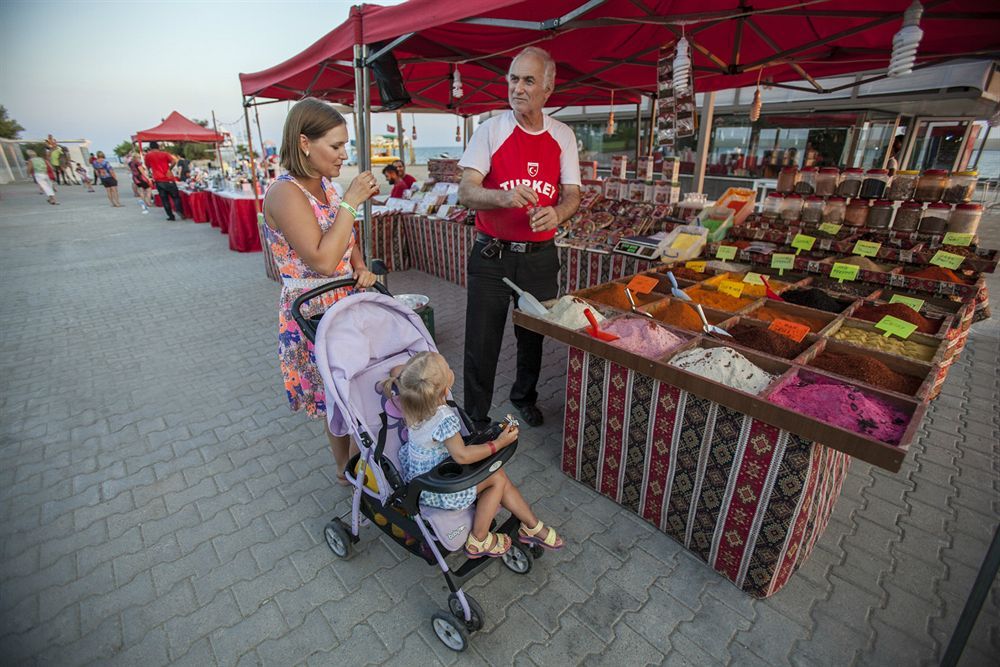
pixel 338 538
pixel 537 551
pixel 455 605
pixel 518 558
pixel 450 631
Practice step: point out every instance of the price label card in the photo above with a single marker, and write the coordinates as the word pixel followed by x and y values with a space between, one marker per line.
pixel 915 304
pixel 752 278
pixel 830 228
pixel 732 288
pixel 956 238
pixel 782 261
pixel 643 284
pixel 893 326
pixel 792 330
pixel 726 252
pixel 802 242
pixel 867 248
pixel 842 272
pixel 947 260
pixel 696 266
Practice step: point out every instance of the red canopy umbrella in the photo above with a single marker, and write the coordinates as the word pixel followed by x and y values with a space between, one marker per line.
pixel 178 128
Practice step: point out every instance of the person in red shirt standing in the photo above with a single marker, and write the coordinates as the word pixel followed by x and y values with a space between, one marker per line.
pixel 398 185
pixel 160 164
pixel 408 180
pixel 521 174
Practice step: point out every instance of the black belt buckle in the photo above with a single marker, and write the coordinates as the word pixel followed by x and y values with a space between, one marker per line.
pixel 491 249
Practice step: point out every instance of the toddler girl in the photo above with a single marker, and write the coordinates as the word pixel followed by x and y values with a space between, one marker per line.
pixel 422 385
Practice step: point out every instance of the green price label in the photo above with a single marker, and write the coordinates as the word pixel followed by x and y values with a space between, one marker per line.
pixel 802 242
pixel 830 228
pixel 893 326
pixel 947 260
pixel 781 261
pixel 955 238
pixel 866 248
pixel 915 304
pixel 842 272
pixel 726 252
pixel 752 278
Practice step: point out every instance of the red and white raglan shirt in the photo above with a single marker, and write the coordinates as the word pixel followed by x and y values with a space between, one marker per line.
pixel 508 156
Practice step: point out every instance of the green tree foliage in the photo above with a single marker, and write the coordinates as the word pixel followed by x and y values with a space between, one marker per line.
pixel 124 148
pixel 243 152
pixel 9 128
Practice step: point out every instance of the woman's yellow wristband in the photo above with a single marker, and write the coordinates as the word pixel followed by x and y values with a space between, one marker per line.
pixel 350 209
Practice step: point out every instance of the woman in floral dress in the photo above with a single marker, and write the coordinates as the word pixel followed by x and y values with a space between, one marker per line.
pixel 311 232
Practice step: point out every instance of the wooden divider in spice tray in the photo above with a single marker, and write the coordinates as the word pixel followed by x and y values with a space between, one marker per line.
pixel 770 310
pixel 678 314
pixel 756 335
pixel 716 364
pixel 864 335
pixel 872 368
pixel 866 423
pixel 613 294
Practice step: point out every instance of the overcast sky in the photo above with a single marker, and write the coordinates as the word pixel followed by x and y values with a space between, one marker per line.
pixel 102 70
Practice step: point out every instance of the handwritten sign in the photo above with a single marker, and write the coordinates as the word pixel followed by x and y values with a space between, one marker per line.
pixel 782 261
pixel 643 284
pixel 867 248
pixel 957 238
pixel 893 326
pixel 792 330
pixel 802 242
pixel 830 228
pixel 915 304
pixel 842 272
pixel 726 252
pixel 698 267
pixel 947 260
pixel 752 278
pixel 732 288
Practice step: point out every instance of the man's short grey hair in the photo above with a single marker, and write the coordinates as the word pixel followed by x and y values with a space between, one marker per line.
pixel 549 79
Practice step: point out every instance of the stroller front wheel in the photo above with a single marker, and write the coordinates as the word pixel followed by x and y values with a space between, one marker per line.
pixel 338 539
pixel 450 631
pixel 455 605
pixel 518 558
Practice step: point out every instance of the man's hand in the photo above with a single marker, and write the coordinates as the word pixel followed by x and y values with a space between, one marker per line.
pixel 519 197
pixel 543 219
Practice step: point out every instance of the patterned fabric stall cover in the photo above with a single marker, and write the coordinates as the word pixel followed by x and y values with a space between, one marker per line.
pixel 745 497
pixel 390 242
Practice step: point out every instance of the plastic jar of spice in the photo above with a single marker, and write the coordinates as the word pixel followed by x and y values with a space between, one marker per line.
pixel 806 182
pixel 786 179
pixel 962 187
pixel 908 216
pixel 874 184
pixel 903 185
pixel 850 182
pixel 880 214
pixel 791 208
pixel 826 181
pixel 833 211
pixel 771 208
pixel 931 185
pixel 812 210
pixel 857 213
pixel 965 218
pixel 935 218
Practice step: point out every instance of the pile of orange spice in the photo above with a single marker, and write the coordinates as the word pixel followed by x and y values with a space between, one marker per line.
pixel 938 273
pixel 677 314
pixel 614 296
pixel 718 300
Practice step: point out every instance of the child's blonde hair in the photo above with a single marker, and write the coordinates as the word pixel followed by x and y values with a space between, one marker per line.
pixel 419 385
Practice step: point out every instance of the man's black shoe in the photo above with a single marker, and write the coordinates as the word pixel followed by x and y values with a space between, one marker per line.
pixel 479 427
pixel 531 415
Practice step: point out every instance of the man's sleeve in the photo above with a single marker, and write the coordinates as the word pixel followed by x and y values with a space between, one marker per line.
pixel 477 155
pixel 569 157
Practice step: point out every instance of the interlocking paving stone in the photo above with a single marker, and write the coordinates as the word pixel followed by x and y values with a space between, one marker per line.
pixel 160 505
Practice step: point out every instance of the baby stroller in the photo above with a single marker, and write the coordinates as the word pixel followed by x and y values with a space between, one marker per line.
pixel 357 341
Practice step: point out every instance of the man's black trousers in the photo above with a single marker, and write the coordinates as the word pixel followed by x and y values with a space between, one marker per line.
pixel 169 193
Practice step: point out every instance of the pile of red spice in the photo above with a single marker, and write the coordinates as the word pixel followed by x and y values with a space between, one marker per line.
pixel 681 273
pixel 874 313
pixel 938 273
pixel 868 370
pixel 769 314
pixel 767 341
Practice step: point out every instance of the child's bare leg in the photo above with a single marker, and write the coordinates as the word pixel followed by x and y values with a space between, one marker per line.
pixel 488 495
pixel 343 449
pixel 515 503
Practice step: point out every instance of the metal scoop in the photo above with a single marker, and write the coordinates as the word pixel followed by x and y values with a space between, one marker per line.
pixel 595 331
pixel 635 309
pixel 675 290
pixel 526 302
pixel 710 329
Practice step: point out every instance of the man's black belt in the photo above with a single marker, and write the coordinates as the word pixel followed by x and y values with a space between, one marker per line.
pixel 513 246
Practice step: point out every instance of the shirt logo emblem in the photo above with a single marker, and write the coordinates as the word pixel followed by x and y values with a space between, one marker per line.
pixel 532 169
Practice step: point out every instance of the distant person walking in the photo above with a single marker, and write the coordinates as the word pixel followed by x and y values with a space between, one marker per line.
pixel 183 167
pixel 66 167
pixel 107 175
pixel 141 181
pixel 40 172
pixel 93 159
pixel 84 177
pixel 160 163
pixel 55 160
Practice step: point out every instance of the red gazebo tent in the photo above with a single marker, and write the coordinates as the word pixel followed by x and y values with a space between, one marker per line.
pixel 178 128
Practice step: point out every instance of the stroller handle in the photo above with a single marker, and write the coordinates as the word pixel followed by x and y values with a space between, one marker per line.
pixel 308 326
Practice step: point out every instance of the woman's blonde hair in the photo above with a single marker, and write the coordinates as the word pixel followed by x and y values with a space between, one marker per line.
pixel 419 386
pixel 310 117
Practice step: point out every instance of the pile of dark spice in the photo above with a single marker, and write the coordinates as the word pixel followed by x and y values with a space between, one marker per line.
pixel 682 273
pixel 875 313
pixel 814 298
pixel 868 370
pixel 766 341
pixel 853 288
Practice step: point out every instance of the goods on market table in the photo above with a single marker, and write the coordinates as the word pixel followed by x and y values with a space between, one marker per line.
pixel 868 370
pixel 847 287
pixel 892 345
pixel 568 312
pixel 725 366
pixel 843 405
pixel 640 336
pixel 614 295
pixel 811 297
pixel 764 340
pixel 678 314
pixel 938 273
pixel 874 313
pixel 717 300
pixel 863 263
pixel 769 314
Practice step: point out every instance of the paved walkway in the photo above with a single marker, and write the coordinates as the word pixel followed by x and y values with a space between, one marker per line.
pixel 159 504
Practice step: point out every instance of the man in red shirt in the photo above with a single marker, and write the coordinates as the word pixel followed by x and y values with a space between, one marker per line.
pixel 398 185
pixel 160 164
pixel 408 180
pixel 522 176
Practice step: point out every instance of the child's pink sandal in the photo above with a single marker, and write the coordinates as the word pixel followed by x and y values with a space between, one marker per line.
pixel 529 536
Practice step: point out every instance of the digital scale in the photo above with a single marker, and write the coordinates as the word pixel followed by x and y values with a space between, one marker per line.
pixel 643 247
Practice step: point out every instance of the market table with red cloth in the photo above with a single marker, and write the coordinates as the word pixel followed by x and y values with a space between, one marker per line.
pixel 195 204
pixel 237 216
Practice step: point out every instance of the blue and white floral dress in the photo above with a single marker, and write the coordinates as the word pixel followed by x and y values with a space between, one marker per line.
pixel 425 449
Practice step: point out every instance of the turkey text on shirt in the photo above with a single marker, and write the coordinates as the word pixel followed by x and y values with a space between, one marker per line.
pixel 541 187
